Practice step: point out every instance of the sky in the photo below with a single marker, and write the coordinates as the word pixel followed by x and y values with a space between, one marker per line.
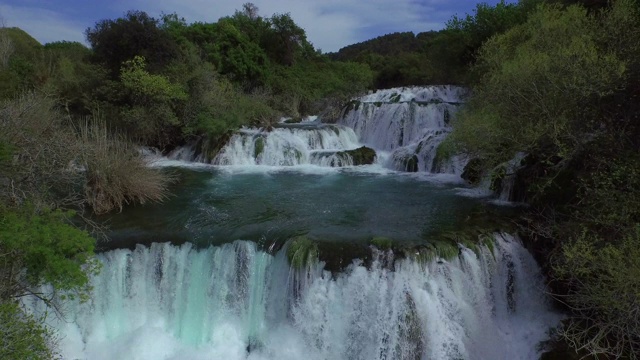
pixel 330 24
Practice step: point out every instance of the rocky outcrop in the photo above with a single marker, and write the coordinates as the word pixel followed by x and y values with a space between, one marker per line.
pixel 361 156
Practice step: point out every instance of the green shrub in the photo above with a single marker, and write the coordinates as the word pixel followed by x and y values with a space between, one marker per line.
pixel 48 248
pixel 604 295
pixel 24 337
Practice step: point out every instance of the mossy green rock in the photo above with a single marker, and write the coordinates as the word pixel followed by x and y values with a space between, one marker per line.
pixel 473 171
pixel 302 252
pixel 361 156
pixel 411 164
pixel 382 243
pixel 258 147
pixel 351 105
pixel 497 176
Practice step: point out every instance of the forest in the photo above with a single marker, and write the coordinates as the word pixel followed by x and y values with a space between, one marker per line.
pixel 557 81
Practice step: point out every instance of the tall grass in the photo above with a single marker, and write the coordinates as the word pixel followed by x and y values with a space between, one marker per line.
pixel 51 164
pixel 116 173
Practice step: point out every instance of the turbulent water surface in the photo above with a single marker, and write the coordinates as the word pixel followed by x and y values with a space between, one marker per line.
pixel 206 274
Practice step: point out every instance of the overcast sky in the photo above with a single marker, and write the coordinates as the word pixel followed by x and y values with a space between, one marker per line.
pixel 330 24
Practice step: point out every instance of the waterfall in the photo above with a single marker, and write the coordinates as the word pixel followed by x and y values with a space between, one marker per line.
pixel 404 125
pixel 236 301
pixel 409 122
pixel 504 178
pixel 286 145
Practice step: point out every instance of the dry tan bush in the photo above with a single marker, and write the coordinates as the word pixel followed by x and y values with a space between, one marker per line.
pixel 116 173
pixel 56 165
pixel 42 149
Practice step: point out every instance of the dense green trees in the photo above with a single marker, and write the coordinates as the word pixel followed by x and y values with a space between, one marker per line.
pixel 243 69
pixel 136 34
pixel 562 87
pixel 536 87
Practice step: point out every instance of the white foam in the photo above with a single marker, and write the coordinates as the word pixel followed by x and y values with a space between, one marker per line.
pixel 442 93
pixel 410 123
pixel 168 302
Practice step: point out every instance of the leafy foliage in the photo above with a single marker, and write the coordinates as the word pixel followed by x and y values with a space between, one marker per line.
pixel 136 34
pixel 562 87
pixel 536 87
pixel 441 57
pixel 22 336
pixel 49 248
pixel 604 293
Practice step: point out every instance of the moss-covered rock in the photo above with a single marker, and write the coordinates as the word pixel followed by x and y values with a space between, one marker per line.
pixel 411 164
pixel 302 252
pixel 382 243
pixel 207 147
pixel 295 120
pixel 291 152
pixel 447 117
pixel 445 150
pixel 361 156
pixel 258 147
pixel 352 105
pixel 473 171
pixel 497 175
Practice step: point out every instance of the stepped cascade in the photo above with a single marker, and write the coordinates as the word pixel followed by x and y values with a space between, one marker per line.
pixel 289 146
pixel 409 122
pixel 215 272
pixel 236 302
pixel 403 125
pixel 313 143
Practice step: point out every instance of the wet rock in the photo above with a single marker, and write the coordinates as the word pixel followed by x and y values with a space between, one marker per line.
pixel 473 171
pixel 258 147
pixel 361 156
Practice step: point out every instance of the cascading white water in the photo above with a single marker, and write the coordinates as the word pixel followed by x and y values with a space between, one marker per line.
pixel 315 144
pixel 237 302
pixel 289 146
pixel 409 122
pixel 404 126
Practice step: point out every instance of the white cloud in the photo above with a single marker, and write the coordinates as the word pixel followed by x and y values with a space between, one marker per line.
pixel 44 25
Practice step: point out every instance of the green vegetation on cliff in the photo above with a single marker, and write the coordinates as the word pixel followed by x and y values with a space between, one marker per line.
pixel 562 87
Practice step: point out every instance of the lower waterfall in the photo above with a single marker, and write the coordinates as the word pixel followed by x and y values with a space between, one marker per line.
pixel 236 301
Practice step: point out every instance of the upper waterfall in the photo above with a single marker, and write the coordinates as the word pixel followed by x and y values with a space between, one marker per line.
pixel 403 125
pixel 409 122
pixel 310 143
pixel 288 146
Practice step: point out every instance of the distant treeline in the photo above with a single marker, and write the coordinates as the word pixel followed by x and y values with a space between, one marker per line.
pixel 445 56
